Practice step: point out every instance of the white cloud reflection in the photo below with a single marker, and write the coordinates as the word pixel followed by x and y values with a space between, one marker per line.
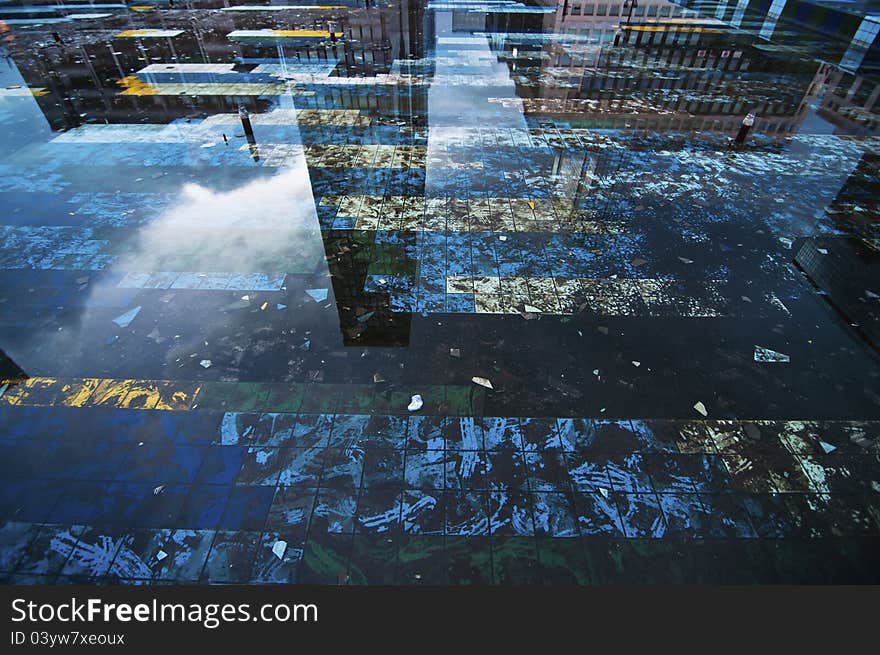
pixel 261 226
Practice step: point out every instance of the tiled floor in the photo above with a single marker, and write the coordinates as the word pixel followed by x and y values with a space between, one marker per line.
pixel 210 335
pixel 409 490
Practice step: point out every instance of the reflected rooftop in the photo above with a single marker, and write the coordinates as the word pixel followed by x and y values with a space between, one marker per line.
pixel 238 239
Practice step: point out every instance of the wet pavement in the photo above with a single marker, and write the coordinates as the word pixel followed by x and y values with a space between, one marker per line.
pixel 212 329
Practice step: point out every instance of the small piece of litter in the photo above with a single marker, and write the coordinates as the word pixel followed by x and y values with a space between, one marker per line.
pixel 502 238
pixel 415 403
pixel 318 295
pixel 785 241
pixel 3 389
pixel 531 309
pixel 279 306
pixel 776 302
pixel 158 489
pixel 377 378
pixel 763 354
pixel 279 549
pixel 685 260
pixel 637 364
pixel 823 251
pixel 207 145
pixel 827 447
pixel 483 382
pixel 596 371
pixel 205 363
pixel 263 306
pixel 123 320
pixel 871 294
pixel 140 443
pixel 454 352
pixel 603 491
pixel 161 555
pixel 245 297
pixel 701 408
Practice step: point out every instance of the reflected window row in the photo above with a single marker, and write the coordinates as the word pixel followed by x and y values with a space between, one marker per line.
pixel 662 10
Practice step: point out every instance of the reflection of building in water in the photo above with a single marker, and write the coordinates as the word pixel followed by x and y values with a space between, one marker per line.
pixel 574 172
pixel 82 75
pixel 664 67
pixel 850 102
pixel 845 36
pixel 604 17
pixel 844 262
pixel 848 27
pixel 856 208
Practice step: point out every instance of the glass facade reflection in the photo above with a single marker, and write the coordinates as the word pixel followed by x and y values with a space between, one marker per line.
pixel 237 240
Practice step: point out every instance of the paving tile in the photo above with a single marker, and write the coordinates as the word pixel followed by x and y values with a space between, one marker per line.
pixel 555 514
pixel 231 558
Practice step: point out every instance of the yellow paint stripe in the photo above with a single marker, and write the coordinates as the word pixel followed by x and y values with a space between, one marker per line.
pixel 77 394
pixel 101 392
pixel 38 389
pixel 146 32
pixel 110 392
pixel 134 86
pixel 141 396
pixel 176 400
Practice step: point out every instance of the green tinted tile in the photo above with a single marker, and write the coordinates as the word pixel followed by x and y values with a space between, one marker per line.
pixel 320 398
pixel 285 397
pixel 250 396
pixel 216 395
pixel 355 399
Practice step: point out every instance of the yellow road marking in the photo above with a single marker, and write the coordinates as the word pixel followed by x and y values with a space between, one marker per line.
pixel 165 395
pixel 134 86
